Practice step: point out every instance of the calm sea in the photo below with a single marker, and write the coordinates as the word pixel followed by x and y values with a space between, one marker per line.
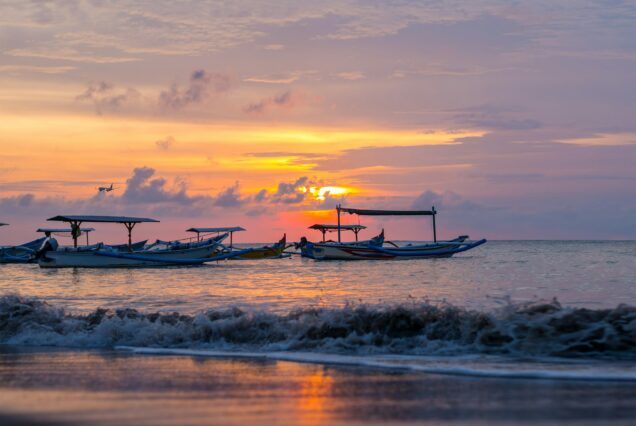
pixel 592 274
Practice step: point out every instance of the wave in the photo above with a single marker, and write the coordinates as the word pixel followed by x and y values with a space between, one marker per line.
pixel 537 329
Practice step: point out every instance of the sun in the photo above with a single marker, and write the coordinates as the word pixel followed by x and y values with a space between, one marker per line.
pixel 321 193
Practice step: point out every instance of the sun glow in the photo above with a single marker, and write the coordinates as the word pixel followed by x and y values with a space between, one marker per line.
pixel 321 193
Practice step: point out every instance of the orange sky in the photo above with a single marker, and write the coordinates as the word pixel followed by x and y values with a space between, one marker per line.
pixel 204 115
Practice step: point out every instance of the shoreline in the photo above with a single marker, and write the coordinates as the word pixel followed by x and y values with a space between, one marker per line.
pixel 104 386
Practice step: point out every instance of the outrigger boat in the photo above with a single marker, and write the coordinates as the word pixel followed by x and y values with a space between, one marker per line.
pixel 195 253
pixel 18 254
pixel 378 249
pixel 275 251
pixel 27 252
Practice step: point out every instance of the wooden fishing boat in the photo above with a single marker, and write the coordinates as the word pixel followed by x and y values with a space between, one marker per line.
pixel 307 248
pixel 387 250
pixel 23 253
pixel 195 253
pixel 275 251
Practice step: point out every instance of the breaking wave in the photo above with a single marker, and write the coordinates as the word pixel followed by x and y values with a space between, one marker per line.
pixel 537 329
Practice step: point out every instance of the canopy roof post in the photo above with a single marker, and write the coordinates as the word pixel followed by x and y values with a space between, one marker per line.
pixel 324 234
pixel 355 231
pixel 129 226
pixel 434 225
pixel 338 209
pixel 76 231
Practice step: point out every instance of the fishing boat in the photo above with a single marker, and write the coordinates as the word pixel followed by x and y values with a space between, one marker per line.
pixel 194 253
pixel 275 251
pixel 217 231
pixel 18 254
pixel 307 249
pixel 27 252
pixel 387 250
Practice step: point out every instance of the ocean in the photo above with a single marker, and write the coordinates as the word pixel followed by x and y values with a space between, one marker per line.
pixel 532 332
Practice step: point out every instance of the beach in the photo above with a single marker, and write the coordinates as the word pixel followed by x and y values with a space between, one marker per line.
pixel 114 387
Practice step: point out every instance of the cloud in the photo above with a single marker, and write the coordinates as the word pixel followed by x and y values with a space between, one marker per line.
pixel 142 188
pixel 281 78
pixel 20 69
pixel 285 100
pixel 441 200
pixel 166 143
pixel 494 117
pixel 105 96
pixel 201 86
pixel 261 196
pixel 69 54
pixel 351 75
pixel 230 197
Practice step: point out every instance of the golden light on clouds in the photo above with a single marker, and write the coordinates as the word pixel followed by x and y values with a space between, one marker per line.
pixel 106 148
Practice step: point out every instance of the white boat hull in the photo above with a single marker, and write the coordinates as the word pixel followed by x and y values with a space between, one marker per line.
pixel 424 251
pixel 111 259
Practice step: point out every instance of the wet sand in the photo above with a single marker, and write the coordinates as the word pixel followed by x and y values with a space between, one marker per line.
pixel 111 387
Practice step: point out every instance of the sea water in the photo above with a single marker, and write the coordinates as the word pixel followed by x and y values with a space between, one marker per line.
pixel 512 310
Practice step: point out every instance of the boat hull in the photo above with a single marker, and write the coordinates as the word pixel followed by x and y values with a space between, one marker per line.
pixel 113 259
pixel 262 253
pixel 353 252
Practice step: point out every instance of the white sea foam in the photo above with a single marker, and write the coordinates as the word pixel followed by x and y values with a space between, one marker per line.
pixel 492 367
pixel 521 330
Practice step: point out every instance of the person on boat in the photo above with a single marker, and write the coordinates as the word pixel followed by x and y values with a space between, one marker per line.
pixel 49 244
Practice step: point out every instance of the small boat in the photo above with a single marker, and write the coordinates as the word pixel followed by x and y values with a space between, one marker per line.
pixel 307 248
pixel 102 256
pixel 275 251
pixel 23 253
pixel 386 250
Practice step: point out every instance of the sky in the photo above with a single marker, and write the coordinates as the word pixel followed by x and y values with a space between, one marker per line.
pixel 515 119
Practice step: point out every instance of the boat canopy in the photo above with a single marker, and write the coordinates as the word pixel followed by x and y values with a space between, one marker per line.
pixel 222 229
pixel 320 227
pixel 128 221
pixel 363 212
pixel 102 219
pixel 63 230
pixel 366 212
pixel 230 229
pixel 329 228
